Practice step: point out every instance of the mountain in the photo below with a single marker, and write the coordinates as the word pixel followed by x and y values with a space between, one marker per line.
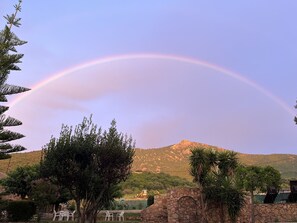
pixel 173 160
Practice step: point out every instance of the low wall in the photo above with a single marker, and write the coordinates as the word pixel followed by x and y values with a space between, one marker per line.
pixel 276 212
pixel 183 206
pixel 156 213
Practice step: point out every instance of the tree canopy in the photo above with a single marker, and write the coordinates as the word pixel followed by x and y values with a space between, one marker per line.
pixel 90 163
pixel 19 180
pixel 257 179
pixel 214 173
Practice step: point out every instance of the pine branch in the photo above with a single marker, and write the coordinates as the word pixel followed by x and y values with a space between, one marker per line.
pixel 6 136
pixel 8 121
pixel 3 109
pixel 8 148
pixel 4 156
pixel 7 89
pixel 3 98
pixel 12 20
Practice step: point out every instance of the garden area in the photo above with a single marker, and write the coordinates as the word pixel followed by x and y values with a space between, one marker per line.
pixel 11 212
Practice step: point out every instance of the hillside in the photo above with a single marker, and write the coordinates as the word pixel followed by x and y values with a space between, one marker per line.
pixel 174 160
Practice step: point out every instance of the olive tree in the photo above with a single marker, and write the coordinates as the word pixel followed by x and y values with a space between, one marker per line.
pixel 90 163
pixel 257 179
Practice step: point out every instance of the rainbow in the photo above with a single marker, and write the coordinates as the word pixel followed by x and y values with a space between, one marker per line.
pixel 183 59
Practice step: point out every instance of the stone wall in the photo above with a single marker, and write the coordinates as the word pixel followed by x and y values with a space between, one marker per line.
pixel 276 212
pixel 156 213
pixel 183 206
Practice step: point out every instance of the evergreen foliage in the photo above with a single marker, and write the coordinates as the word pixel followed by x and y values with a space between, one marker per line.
pixel 150 200
pixel 9 58
pixel 43 193
pixel 214 173
pixel 295 118
pixel 90 164
pixel 153 182
pixel 20 211
pixel 257 179
pixel 19 180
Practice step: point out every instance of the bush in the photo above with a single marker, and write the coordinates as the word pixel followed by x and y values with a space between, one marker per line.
pixel 150 200
pixel 28 209
pixel 3 205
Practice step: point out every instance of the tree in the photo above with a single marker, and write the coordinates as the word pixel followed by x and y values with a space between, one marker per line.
pixel 19 180
pixel 9 58
pixel 255 178
pixel 201 163
pixel 89 163
pixel 222 188
pixel 295 118
pixel 214 173
pixel 43 193
pixel 272 177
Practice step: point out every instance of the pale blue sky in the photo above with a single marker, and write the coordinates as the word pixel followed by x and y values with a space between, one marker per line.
pixel 161 102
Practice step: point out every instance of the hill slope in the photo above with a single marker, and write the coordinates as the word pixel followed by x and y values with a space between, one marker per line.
pixel 174 160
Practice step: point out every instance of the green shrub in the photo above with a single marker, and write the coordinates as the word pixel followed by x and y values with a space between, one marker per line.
pixel 150 200
pixel 20 210
pixel 3 205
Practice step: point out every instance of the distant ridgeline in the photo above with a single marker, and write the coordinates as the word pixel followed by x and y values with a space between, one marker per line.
pixel 173 160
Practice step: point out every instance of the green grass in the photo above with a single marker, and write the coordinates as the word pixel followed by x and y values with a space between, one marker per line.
pixel 128 221
pixel 129 218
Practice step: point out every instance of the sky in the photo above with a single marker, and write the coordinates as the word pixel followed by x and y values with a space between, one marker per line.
pixel 221 73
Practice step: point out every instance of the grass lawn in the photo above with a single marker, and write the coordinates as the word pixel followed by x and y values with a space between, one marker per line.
pixel 129 218
pixel 129 221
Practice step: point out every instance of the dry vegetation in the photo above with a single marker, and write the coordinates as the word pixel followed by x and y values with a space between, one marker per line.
pixel 173 160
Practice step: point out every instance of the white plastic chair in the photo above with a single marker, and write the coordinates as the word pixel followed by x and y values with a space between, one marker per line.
pixel 108 216
pixel 120 216
pixel 64 214
pixel 71 214
pixel 56 214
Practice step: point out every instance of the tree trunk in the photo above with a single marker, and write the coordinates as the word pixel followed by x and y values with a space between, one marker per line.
pixel 203 208
pixel 78 210
pixel 88 215
pixel 39 213
pixel 89 218
pixel 252 208
pixel 222 215
pixel 95 217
